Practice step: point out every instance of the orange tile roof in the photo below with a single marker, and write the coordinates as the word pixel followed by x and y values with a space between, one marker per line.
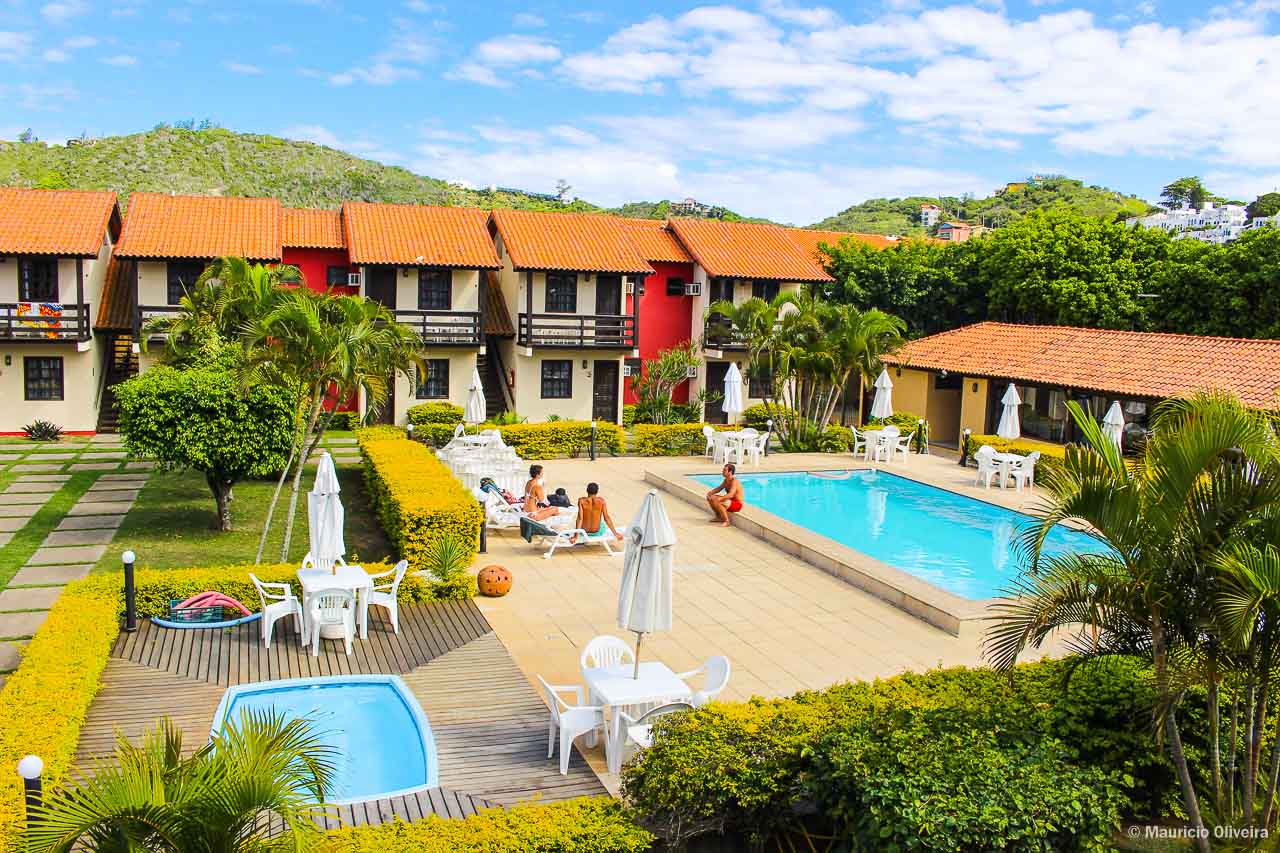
pixel 417 235
pixel 654 240
pixel 497 319
pixel 305 228
pixel 55 222
pixel 747 250
pixel 580 242
pixel 810 239
pixel 115 311
pixel 1136 364
pixel 175 226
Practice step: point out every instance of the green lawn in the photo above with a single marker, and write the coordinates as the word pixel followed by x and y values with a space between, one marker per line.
pixel 173 524
pixel 25 542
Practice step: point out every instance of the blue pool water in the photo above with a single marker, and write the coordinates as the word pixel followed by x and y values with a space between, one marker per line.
pixel 965 546
pixel 381 735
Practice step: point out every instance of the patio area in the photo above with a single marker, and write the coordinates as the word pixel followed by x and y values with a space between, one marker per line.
pixel 785 624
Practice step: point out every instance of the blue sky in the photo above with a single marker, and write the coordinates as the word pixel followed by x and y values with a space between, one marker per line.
pixel 773 108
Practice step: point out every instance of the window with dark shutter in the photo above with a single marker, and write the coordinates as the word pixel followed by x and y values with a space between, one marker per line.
pixel 38 280
pixel 435 290
pixel 557 379
pixel 42 377
pixel 675 287
pixel 182 277
pixel 562 293
pixel 336 277
pixel 433 381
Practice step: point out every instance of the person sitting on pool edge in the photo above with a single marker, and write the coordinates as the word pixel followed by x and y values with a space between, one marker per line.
pixel 730 501
pixel 593 514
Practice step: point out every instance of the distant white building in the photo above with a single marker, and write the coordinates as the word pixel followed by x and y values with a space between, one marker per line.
pixel 1210 224
pixel 929 214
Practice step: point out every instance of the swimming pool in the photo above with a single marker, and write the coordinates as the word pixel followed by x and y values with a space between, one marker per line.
pixel 383 741
pixel 965 546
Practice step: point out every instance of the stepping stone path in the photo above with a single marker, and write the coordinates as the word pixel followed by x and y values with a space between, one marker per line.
pixel 344 451
pixel 68 553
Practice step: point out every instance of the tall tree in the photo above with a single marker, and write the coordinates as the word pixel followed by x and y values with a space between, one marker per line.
pixel 1267 204
pixel 1189 191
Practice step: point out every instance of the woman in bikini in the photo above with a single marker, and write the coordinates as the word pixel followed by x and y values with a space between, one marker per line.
pixel 593 513
pixel 535 503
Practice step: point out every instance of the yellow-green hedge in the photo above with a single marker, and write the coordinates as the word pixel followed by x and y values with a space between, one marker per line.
pixel 435 413
pixel 671 439
pixel 418 500
pixel 562 438
pixel 586 825
pixel 1051 455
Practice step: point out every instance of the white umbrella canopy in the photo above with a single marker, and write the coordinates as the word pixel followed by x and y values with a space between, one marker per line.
pixel 882 406
pixel 1113 425
pixel 732 404
pixel 644 595
pixel 325 515
pixel 475 412
pixel 1010 427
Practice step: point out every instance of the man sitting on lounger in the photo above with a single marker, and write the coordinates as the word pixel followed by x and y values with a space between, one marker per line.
pixel 730 501
pixel 593 514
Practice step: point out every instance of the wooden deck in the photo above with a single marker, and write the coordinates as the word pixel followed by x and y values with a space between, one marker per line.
pixel 489 724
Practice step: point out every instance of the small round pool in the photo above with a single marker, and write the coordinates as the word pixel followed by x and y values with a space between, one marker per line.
pixel 381 736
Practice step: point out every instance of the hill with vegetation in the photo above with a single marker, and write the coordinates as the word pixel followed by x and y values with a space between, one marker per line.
pixel 1016 200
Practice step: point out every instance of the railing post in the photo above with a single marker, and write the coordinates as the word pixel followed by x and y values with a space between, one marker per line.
pixel 30 769
pixel 130 594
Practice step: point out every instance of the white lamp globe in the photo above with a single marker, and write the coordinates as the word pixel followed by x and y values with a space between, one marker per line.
pixel 30 767
pixel 128 556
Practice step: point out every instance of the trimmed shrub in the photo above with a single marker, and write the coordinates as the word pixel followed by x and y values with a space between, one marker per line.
pixel 346 421
pixel 434 413
pixel 752 767
pixel 562 438
pixel 586 825
pixel 904 421
pixel 628 415
pixel 672 439
pixel 836 439
pixel 1052 456
pixel 758 415
pixel 416 497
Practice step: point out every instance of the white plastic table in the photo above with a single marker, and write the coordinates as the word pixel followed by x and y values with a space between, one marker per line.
pixel 614 686
pixel 734 440
pixel 352 578
pixel 1007 462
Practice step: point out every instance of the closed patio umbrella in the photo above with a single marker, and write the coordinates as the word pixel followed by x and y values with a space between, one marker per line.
pixel 475 412
pixel 644 595
pixel 1009 426
pixel 325 515
pixel 732 404
pixel 882 406
pixel 1113 425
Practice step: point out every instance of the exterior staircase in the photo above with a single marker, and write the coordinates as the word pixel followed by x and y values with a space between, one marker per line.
pixel 120 362
pixel 494 401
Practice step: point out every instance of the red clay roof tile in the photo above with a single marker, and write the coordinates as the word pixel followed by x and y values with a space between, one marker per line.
pixel 414 235
pixel 655 241
pixel 55 222
pixel 306 228
pixel 1129 364
pixel 568 241
pixel 201 227
pixel 747 250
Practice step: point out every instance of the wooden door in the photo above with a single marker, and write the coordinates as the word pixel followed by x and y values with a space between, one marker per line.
pixel 716 371
pixel 604 392
pixel 608 302
pixel 381 286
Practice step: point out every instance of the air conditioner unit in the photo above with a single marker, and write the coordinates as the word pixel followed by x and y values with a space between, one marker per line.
pixel 626 370
pixel 693 288
pixel 355 279
pixel 691 372
pixel 630 288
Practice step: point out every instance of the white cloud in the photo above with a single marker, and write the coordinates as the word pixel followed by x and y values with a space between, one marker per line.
pixel 121 60
pixel 55 54
pixel 242 68
pixel 528 20
pixel 422 7
pixel 321 135
pixel 474 72
pixel 406 50
pixel 61 11
pixel 14 46
pixel 30 96
pixel 516 50
pixel 573 135
pixel 814 16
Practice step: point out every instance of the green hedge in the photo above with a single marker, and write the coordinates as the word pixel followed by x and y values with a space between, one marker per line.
pixel 417 499
pixel 671 439
pixel 586 825
pixel 347 421
pixel 628 415
pixel 836 439
pixel 434 413
pixel 904 421
pixel 562 438
pixel 758 415
pixel 1052 456
pixel 887 763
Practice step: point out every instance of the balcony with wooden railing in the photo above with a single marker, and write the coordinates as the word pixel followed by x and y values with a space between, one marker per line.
pixel 443 328
pixel 719 333
pixel 47 322
pixel 572 331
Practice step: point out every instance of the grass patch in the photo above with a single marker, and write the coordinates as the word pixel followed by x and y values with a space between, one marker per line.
pixel 25 542
pixel 173 523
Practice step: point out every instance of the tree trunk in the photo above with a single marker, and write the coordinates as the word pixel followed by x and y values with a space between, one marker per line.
pixel 297 480
pixel 1184 778
pixel 298 438
pixel 1215 734
pixel 1268 801
pixel 1231 752
pixel 221 489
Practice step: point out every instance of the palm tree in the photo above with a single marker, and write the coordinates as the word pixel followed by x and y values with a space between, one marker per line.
pixel 1207 476
pixel 260 768
pixel 327 343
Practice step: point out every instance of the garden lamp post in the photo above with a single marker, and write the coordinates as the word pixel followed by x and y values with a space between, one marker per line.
pixel 964 448
pixel 130 594
pixel 30 768
pixel 768 434
pixel 410 431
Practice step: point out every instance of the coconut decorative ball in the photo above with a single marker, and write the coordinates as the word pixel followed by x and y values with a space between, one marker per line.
pixel 494 581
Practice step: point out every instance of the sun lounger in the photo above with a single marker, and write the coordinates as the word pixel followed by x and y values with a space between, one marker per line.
pixel 546 535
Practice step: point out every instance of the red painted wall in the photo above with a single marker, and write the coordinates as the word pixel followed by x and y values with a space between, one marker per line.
pixel 664 320
pixel 315 264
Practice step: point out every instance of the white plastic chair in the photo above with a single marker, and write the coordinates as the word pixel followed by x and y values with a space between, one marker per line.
pixel 605 650
pixel 500 515
pixel 710 434
pixel 988 470
pixel 1025 471
pixel 332 607
pixel 901 446
pixel 277 606
pixel 639 730
pixel 571 720
pixel 459 430
pixel 755 448
pixel 386 595
pixel 309 562
pixel 885 443
pixel 859 442
pixel 715 672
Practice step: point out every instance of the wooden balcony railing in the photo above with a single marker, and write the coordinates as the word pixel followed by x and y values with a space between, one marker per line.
pixel 143 314
pixel 718 333
pixel 605 331
pixel 443 328
pixel 25 321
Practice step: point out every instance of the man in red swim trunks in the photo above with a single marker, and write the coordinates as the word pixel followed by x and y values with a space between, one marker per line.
pixel 730 501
